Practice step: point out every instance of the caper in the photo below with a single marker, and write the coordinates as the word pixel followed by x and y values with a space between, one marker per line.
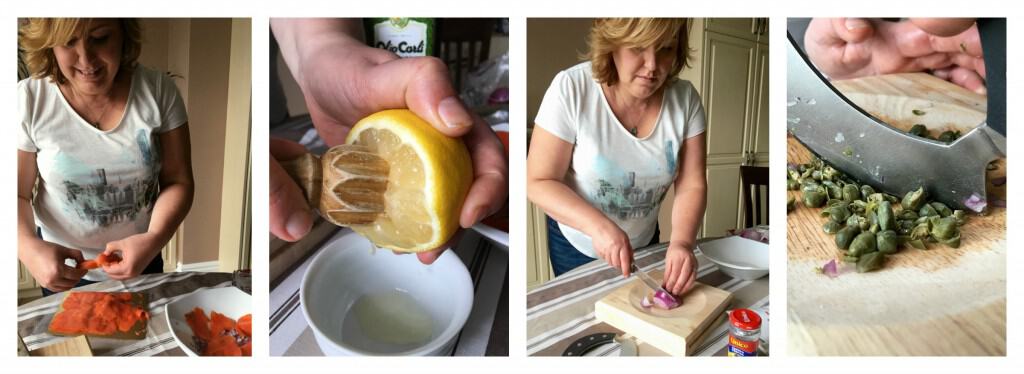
pixel 887 242
pixel 866 190
pixel 858 221
pixel 927 211
pixel 960 216
pixel 953 242
pixel 913 199
pixel 917 243
pixel 790 204
pixel 944 228
pixel 836 213
pixel 850 259
pixel 870 261
pixel 941 208
pixel 863 244
pixel 919 130
pixel 814 198
pixel 921 231
pixel 908 215
pixel 792 184
pixel 885 216
pixel 948 136
pixel 831 227
pixel 845 236
pixel 851 192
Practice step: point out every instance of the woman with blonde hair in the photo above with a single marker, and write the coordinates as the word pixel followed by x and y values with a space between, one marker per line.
pixel 612 134
pixel 104 160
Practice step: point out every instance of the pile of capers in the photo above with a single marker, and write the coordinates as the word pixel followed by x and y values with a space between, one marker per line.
pixel 869 225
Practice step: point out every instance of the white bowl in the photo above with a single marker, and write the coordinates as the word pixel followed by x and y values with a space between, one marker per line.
pixel 738 257
pixel 347 269
pixel 229 301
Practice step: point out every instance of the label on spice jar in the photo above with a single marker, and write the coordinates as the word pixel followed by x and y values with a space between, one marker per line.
pixel 741 348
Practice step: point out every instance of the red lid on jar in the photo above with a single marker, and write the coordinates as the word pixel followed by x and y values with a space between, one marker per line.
pixel 745 319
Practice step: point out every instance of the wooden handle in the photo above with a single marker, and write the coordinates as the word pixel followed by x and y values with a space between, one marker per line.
pixel 347 184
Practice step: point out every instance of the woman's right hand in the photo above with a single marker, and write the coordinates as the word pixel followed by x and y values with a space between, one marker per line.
pixel 612 245
pixel 47 265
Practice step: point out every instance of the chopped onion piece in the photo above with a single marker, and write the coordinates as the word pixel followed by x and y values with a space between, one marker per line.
pixel 830 269
pixel 664 300
pixel 976 203
pixel 646 301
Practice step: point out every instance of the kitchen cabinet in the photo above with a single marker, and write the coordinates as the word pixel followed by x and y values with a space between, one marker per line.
pixel 733 84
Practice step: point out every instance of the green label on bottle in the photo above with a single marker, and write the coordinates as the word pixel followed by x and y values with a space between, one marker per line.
pixel 405 37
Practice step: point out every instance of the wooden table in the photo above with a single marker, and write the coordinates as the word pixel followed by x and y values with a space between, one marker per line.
pixel 942 301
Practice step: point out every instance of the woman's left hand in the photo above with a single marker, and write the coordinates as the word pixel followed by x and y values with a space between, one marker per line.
pixel 137 251
pixel 680 269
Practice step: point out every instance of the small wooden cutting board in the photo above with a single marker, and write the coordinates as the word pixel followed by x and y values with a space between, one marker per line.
pixel 138 331
pixel 673 331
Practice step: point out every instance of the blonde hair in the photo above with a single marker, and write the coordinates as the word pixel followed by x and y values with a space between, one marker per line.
pixel 608 34
pixel 38 36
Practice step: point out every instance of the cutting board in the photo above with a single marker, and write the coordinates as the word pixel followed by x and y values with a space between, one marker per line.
pixel 76 346
pixel 138 331
pixel 674 331
pixel 942 301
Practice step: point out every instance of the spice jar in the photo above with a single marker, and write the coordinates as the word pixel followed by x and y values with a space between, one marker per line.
pixel 744 332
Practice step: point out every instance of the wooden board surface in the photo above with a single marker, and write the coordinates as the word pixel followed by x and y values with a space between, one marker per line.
pixel 138 331
pixel 942 301
pixel 76 346
pixel 671 331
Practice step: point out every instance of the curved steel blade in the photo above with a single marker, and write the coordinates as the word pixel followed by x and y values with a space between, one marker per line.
pixel 887 158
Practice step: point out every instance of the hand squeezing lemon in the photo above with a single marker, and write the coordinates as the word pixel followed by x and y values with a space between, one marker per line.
pixel 396 180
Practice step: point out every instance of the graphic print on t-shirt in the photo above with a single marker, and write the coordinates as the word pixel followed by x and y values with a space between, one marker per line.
pixel 631 194
pixel 103 200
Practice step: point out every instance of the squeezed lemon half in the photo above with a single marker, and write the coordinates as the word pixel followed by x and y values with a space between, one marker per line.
pixel 430 174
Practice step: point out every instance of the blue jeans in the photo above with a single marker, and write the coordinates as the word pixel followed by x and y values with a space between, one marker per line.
pixel 564 256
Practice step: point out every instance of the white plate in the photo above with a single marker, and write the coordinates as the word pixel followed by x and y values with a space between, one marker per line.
pixel 738 257
pixel 229 301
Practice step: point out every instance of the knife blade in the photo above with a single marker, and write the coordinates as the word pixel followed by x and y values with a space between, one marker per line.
pixel 871 151
pixel 647 279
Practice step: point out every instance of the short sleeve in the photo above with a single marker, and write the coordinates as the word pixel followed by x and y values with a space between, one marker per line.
pixel 694 113
pixel 556 113
pixel 172 106
pixel 26 141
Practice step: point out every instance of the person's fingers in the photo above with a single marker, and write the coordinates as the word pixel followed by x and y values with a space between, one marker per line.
pixel 943 26
pixel 71 275
pixel 489 191
pixel 625 260
pixel 968 42
pixel 73 254
pixel 968 79
pixel 852 30
pixel 289 215
pixel 928 62
pixel 969 62
pixel 429 257
pixel 690 281
pixel 671 273
pixel 421 84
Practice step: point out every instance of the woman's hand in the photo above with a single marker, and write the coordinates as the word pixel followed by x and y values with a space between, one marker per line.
pixel 612 245
pixel 680 269
pixel 47 265
pixel 136 251
pixel 949 48
pixel 343 80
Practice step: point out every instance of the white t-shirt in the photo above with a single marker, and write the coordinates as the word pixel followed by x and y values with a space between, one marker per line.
pixel 96 186
pixel 623 176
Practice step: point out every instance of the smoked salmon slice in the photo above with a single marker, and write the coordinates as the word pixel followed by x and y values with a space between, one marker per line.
pixel 219 335
pixel 99 314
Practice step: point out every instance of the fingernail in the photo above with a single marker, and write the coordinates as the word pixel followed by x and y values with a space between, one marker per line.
pixel 299 224
pixel 981 91
pixel 453 113
pixel 856 23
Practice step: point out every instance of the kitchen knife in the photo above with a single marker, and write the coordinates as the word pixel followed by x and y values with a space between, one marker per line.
pixel 647 279
pixel 887 158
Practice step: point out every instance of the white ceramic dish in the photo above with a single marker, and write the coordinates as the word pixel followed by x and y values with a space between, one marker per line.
pixel 229 301
pixel 738 257
pixel 348 268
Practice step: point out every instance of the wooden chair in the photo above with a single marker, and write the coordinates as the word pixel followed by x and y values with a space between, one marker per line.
pixel 463 43
pixel 752 178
